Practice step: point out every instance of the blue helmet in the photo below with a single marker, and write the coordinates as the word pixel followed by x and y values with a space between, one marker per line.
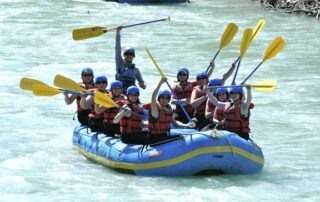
pixel 116 83
pixel 236 89
pixel 202 75
pixel 163 92
pixel 215 82
pixel 221 90
pixel 87 70
pixel 133 90
pixel 183 70
pixel 129 51
pixel 101 79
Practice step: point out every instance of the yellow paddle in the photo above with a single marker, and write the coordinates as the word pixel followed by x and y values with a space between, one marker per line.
pixel 274 48
pixel 258 28
pixel 245 43
pixel 90 32
pixel 66 83
pixel 44 90
pixel 104 100
pixel 27 83
pixel 227 36
pixel 266 86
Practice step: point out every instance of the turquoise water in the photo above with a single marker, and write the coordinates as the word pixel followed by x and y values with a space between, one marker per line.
pixel 37 162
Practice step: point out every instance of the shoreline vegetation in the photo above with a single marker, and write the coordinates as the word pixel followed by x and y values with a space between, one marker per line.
pixel 309 7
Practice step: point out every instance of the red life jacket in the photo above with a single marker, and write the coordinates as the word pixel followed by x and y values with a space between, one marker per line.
pixel 132 125
pixel 84 86
pixel 161 126
pixel 184 93
pixel 234 122
pixel 110 113
pixel 201 109
pixel 210 106
pixel 218 114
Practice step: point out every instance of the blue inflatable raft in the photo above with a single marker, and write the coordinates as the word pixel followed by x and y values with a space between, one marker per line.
pixel 196 153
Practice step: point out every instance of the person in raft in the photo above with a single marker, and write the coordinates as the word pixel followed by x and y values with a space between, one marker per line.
pixel 87 102
pixel 109 127
pixel 199 97
pixel 217 119
pixel 236 112
pixel 161 115
pixel 217 82
pixel 87 83
pixel 131 123
pixel 126 71
pixel 183 90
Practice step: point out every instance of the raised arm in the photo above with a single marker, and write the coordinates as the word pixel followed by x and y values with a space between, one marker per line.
pixel 228 73
pixel 211 68
pixel 118 57
pixel 214 100
pixel 246 105
pixel 154 105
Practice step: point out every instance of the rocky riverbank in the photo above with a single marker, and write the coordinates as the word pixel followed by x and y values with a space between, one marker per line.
pixel 309 7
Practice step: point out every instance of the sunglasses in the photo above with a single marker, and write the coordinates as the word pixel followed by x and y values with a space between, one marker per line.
pixel 101 82
pixel 133 94
pixel 165 97
pixel 232 93
pixel 87 75
pixel 182 74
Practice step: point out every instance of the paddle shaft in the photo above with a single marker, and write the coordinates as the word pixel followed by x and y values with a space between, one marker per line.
pixel 235 74
pixel 253 86
pixel 179 102
pixel 252 72
pixel 143 23
pixel 212 60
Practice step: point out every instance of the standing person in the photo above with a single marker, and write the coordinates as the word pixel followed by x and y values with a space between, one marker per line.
pixel 109 127
pixel 161 115
pixel 183 91
pixel 237 111
pixel 87 83
pixel 131 124
pixel 126 71
pixel 87 102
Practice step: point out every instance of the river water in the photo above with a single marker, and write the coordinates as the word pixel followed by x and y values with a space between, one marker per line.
pixel 37 162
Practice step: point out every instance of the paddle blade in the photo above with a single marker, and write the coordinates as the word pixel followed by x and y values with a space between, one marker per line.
pixel 66 83
pixel 44 90
pixel 274 48
pixel 89 32
pixel 268 85
pixel 104 100
pixel 246 40
pixel 258 28
pixel 27 83
pixel 228 35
